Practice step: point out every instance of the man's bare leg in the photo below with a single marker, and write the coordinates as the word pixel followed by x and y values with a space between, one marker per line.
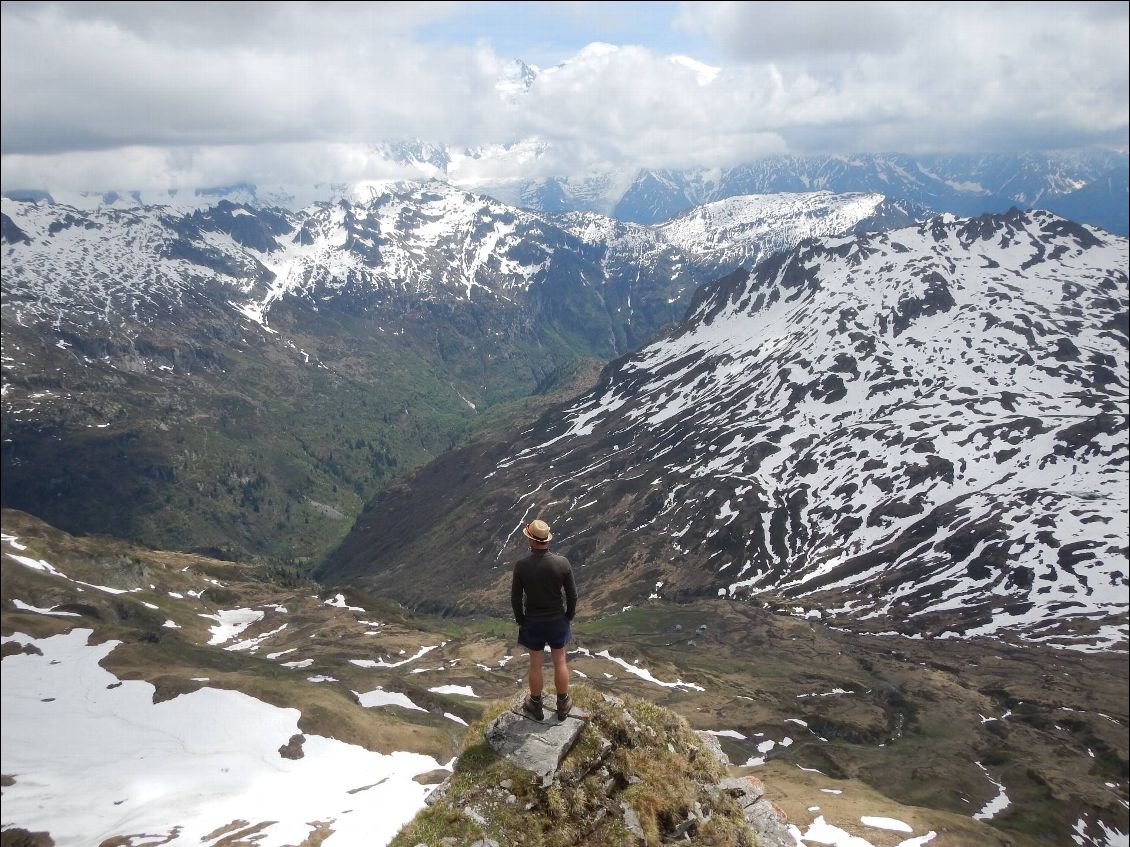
pixel 560 670
pixel 536 683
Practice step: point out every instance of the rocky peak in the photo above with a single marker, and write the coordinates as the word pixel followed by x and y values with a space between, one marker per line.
pixel 616 771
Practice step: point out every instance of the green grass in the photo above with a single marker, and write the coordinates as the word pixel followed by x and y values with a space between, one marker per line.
pixel 468 628
pixel 233 458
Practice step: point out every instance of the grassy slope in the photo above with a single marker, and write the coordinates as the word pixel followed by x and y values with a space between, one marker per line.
pixel 170 659
pixel 247 449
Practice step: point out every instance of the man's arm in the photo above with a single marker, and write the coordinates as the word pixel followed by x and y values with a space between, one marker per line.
pixel 516 598
pixel 570 592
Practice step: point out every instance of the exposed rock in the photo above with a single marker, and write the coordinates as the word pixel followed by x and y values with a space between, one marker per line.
pixel 769 823
pixel 23 838
pixel 631 780
pixel 14 648
pixel 168 687
pixel 439 792
pixel 293 748
pixel 681 829
pixel 537 746
pixel 747 790
pixel 632 821
pixel 475 815
pixel 596 765
pixel 711 743
pixel 434 777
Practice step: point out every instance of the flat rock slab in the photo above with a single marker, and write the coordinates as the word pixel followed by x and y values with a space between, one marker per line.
pixel 537 746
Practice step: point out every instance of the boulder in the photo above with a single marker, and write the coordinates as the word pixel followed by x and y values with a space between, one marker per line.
pixel 769 823
pixel 438 793
pixel 537 746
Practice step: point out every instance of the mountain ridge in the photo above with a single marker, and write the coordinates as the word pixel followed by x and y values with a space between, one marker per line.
pixel 980 741
pixel 240 377
pixel 1085 185
pixel 849 413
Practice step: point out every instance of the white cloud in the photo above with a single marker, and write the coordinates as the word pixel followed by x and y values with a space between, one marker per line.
pixel 80 81
pixel 774 30
pixel 115 96
pixel 156 168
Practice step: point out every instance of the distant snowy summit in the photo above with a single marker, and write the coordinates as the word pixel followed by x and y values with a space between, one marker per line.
pixel 1090 187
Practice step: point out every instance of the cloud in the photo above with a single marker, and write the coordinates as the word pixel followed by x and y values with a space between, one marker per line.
pixel 125 95
pixel 139 74
pixel 775 30
pixel 158 168
pixel 951 76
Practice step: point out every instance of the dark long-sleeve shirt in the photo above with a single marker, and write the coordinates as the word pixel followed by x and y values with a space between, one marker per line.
pixel 542 577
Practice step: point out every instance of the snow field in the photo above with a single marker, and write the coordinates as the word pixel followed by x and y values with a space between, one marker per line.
pixel 198 762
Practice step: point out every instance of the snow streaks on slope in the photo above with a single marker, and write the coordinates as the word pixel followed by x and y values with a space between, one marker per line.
pixel 925 426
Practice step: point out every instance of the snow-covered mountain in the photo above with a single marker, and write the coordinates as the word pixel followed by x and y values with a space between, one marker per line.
pixel 922 430
pixel 1089 186
pixel 146 349
pixel 965 184
pixel 404 240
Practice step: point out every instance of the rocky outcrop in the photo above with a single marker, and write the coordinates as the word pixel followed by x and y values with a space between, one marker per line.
pixel 536 746
pixel 762 815
pixel 617 771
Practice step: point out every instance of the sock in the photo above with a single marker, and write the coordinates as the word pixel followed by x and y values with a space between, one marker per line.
pixel 536 698
pixel 562 696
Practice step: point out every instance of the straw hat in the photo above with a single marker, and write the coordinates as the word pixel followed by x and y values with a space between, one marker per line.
pixel 537 531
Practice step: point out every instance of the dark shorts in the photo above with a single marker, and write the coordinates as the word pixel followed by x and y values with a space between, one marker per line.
pixel 534 635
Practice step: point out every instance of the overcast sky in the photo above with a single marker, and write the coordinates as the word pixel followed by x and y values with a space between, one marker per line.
pixel 100 96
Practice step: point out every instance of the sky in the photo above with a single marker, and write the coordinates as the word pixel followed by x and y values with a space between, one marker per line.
pixel 122 96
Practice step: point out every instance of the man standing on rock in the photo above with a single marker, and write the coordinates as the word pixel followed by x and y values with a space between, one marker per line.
pixel 544 618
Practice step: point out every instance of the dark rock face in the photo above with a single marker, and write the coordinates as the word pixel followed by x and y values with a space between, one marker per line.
pixel 881 426
pixel 16 837
pixel 293 748
pixel 11 233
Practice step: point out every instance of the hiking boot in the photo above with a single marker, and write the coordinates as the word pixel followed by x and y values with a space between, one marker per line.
pixel 564 706
pixel 533 708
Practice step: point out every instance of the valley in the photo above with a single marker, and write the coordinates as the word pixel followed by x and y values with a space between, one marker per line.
pixel 241 381
pixel 850 428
